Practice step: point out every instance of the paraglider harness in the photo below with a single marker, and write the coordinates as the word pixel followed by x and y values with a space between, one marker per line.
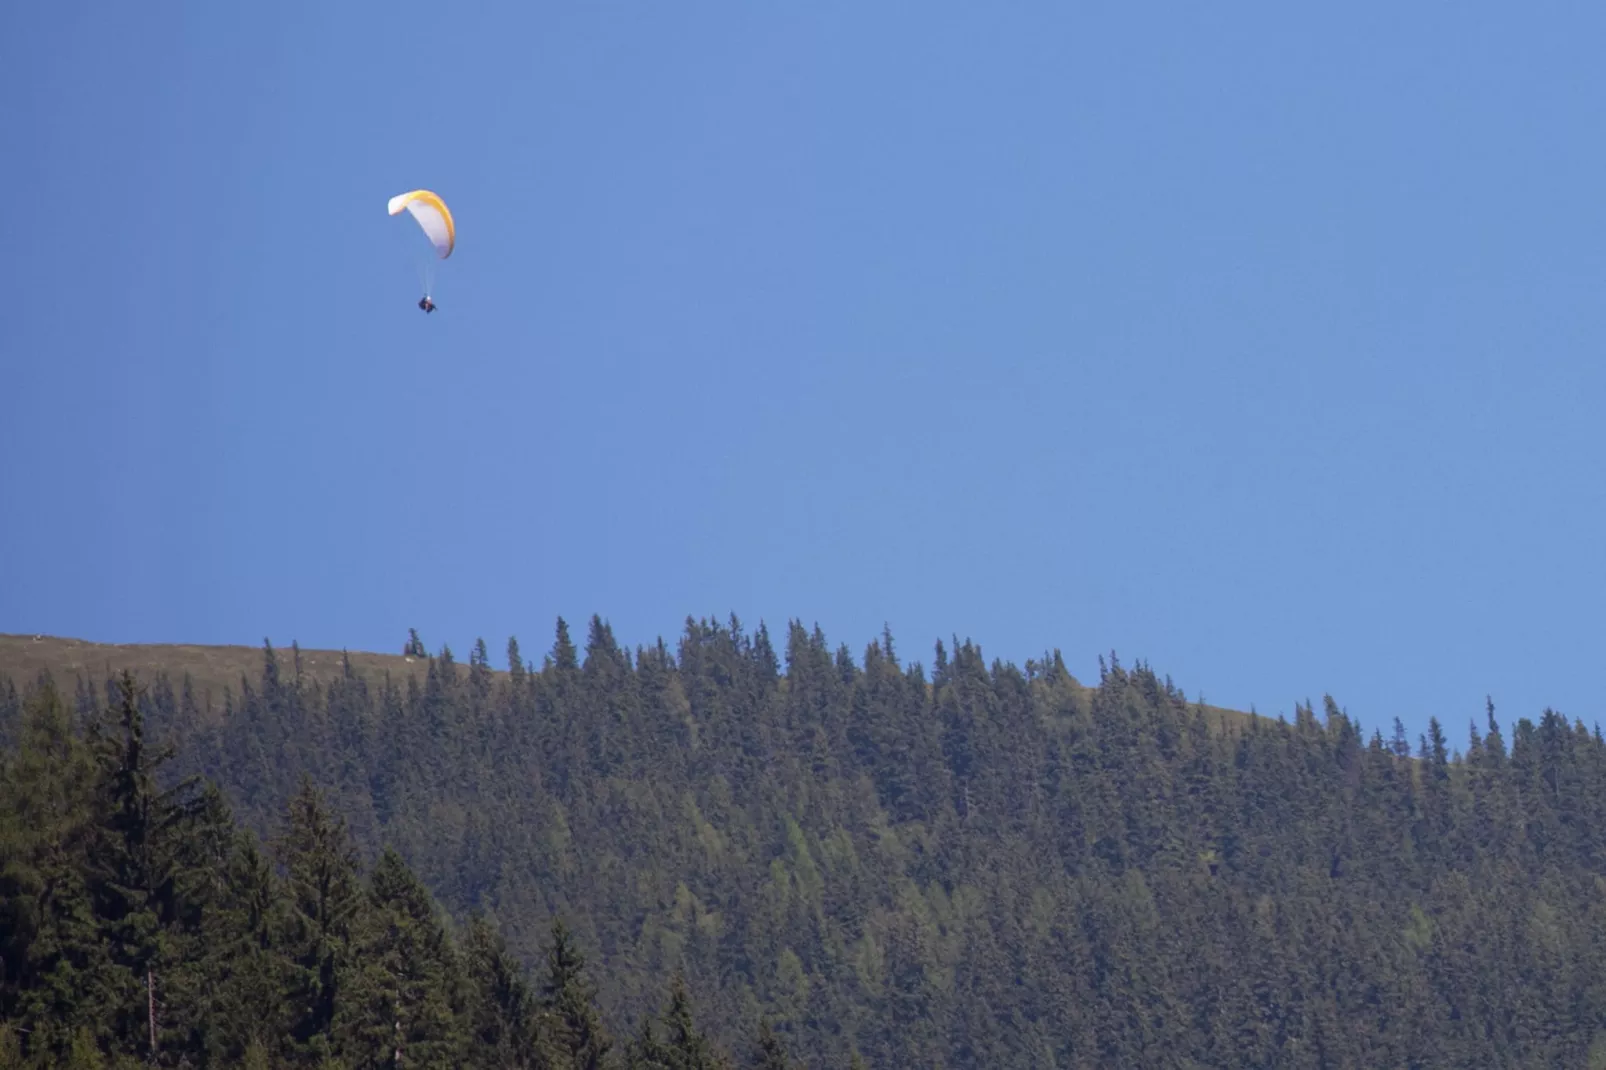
pixel 426 304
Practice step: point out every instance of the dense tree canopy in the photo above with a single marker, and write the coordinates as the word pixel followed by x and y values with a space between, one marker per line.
pixel 730 855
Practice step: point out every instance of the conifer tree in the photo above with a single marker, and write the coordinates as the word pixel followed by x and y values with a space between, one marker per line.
pixel 770 1054
pixel 54 961
pixel 243 973
pixel 569 999
pixel 400 988
pixel 685 1046
pixel 325 900
pixel 644 1051
pixel 135 863
pixel 564 655
pixel 504 1023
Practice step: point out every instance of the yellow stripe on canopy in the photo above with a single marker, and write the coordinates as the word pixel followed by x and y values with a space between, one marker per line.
pixel 432 215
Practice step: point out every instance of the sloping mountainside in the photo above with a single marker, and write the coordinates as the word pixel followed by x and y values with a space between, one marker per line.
pixel 214 672
pixel 977 865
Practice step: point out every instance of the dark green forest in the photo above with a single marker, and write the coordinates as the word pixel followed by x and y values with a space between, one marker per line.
pixel 732 853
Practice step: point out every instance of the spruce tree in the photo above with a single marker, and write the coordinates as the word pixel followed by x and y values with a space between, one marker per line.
pixel 770 1053
pixel 685 1046
pixel 400 991
pixel 54 961
pixel 324 902
pixel 245 972
pixel 564 655
pixel 504 1024
pixel 136 861
pixel 569 999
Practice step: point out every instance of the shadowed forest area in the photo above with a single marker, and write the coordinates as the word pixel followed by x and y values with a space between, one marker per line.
pixel 739 853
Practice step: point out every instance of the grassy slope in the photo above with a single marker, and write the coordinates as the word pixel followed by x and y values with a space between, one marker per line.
pixel 214 668
pixel 211 668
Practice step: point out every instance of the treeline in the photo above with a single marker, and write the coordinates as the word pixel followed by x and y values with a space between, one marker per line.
pixel 987 865
pixel 139 925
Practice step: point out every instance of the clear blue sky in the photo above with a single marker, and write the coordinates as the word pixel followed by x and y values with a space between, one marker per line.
pixel 1262 342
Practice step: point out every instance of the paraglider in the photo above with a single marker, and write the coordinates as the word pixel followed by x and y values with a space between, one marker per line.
pixel 435 220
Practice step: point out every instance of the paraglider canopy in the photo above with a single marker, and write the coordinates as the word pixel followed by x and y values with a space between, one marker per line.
pixel 432 215
pixel 435 220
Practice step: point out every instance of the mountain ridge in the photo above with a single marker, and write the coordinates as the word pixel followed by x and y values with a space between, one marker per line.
pixel 982 865
pixel 216 669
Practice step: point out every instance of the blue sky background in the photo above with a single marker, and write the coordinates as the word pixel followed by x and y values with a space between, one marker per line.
pixel 1261 342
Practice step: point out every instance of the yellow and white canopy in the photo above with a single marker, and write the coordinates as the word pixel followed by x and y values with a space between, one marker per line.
pixel 432 215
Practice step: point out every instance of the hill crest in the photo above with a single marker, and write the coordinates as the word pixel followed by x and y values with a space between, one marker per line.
pixel 218 669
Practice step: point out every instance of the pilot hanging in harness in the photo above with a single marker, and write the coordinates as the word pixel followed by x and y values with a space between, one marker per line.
pixel 435 219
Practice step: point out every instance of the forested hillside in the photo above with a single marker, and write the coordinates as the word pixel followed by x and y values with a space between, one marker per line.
pixel 972 865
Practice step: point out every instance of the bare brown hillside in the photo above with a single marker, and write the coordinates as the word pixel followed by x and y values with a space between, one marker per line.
pixel 213 668
pixel 210 668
